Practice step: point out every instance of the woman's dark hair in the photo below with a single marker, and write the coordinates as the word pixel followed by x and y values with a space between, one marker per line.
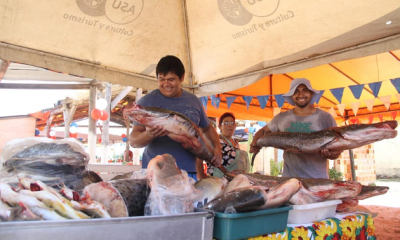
pixel 223 116
pixel 170 64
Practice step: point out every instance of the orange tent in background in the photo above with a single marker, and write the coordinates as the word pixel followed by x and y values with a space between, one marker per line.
pixel 376 68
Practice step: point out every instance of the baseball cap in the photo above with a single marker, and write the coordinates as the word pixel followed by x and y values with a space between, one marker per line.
pixel 294 84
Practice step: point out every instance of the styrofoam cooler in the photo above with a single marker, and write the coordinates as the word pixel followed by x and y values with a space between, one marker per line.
pixel 312 212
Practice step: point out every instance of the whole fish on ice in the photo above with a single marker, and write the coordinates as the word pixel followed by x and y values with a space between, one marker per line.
pixel 333 139
pixel 180 128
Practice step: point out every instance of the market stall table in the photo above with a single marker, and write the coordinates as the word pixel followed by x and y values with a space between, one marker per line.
pixel 341 226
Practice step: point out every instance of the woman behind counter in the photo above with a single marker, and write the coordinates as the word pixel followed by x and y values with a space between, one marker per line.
pixel 232 157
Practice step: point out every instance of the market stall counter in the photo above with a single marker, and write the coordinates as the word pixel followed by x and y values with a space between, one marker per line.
pixel 195 225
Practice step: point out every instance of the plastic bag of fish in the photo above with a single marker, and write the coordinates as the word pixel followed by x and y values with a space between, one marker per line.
pixel 171 189
pixel 48 160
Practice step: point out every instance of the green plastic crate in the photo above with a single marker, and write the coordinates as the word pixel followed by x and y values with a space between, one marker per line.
pixel 251 224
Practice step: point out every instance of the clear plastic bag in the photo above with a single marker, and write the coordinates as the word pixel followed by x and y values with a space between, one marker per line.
pixel 54 162
pixel 176 196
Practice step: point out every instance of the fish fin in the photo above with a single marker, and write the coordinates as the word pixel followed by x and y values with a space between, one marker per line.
pixel 330 142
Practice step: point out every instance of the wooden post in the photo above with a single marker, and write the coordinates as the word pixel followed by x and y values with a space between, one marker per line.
pixel 92 125
pixel 3 68
pixel 139 93
pixel 50 120
pixel 69 112
pixel 105 136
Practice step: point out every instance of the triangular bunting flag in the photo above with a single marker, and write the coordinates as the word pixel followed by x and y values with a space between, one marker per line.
pixel 230 100
pixel 338 93
pixel 355 106
pixel 380 116
pixel 357 90
pixel 394 114
pixel 279 100
pixel 263 100
pixel 215 101
pixel 341 108
pixel 319 96
pixel 370 104
pixel 398 97
pixel 375 87
pixel 42 116
pixel 204 101
pixel 370 118
pixel 277 111
pixel 332 112
pixel 386 101
pixel 248 99
pixel 396 84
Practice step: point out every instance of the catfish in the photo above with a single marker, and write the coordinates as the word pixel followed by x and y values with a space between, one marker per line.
pixel 334 139
pixel 180 128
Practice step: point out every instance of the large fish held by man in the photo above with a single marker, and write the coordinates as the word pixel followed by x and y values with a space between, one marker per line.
pixel 333 139
pixel 180 128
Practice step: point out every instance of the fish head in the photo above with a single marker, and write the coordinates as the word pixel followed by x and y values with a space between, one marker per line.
pixel 129 110
pixel 160 168
pixel 148 116
pixel 373 132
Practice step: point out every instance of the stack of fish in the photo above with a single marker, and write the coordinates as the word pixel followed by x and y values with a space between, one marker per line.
pixel 248 192
pixel 37 201
pixel 51 161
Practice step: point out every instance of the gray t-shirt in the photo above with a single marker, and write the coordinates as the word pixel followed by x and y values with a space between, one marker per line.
pixel 306 165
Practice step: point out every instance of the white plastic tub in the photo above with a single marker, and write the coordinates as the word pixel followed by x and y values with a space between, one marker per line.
pixel 312 212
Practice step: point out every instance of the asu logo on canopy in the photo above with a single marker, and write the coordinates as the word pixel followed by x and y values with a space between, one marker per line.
pixel 117 11
pixel 240 12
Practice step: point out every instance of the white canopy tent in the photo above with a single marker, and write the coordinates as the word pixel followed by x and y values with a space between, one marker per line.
pixel 224 44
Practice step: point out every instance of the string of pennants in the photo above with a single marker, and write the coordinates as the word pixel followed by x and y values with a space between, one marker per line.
pixel 336 92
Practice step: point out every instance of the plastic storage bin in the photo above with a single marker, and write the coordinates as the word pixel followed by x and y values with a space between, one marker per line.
pixel 244 225
pixel 312 212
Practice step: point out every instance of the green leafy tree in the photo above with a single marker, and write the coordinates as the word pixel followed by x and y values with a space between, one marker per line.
pixel 335 175
pixel 274 168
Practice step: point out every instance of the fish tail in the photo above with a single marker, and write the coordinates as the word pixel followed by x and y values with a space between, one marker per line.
pixel 253 158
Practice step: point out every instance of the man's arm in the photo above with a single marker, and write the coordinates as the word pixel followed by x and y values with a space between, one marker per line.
pixel 253 146
pixel 141 136
pixel 212 135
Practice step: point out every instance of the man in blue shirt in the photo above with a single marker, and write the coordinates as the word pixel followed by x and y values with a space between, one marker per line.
pixel 170 95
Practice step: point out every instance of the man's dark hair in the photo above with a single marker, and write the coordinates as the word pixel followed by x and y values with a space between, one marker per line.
pixel 170 64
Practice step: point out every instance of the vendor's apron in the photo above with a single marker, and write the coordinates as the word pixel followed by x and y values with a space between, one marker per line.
pixel 241 161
